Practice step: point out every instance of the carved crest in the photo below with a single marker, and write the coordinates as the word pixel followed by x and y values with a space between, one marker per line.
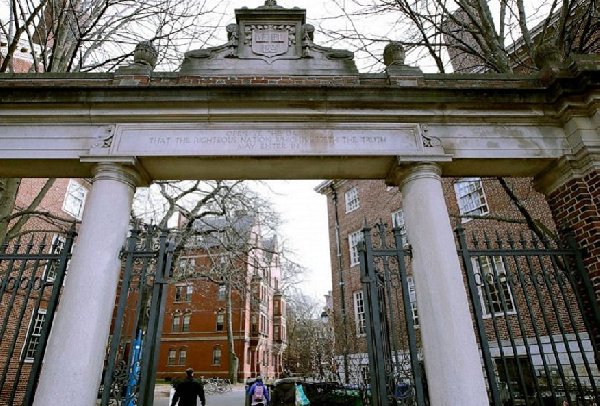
pixel 270 41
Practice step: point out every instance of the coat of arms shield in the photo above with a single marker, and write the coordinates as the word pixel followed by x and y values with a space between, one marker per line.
pixel 270 41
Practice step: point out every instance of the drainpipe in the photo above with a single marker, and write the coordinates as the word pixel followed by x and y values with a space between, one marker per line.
pixel 341 279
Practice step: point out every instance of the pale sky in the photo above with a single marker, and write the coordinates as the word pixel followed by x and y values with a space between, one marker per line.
pixel 305 230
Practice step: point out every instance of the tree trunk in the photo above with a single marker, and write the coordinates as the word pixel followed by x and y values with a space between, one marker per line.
pixel 233 359
pixel 9 188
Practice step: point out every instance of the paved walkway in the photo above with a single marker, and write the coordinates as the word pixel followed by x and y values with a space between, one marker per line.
pixel 234 398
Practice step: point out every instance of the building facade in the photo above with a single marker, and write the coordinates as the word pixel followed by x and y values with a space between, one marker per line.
pixel 492 209
pixel 223 296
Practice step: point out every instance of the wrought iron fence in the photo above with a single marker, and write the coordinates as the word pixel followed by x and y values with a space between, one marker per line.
pixel 527 299
pixel 130 371
pixel 32 274
pixel 395 373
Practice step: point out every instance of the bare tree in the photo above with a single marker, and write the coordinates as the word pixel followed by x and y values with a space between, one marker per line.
pixel 230 231
pixel 310 349
pixel 474 36
pixel 92 35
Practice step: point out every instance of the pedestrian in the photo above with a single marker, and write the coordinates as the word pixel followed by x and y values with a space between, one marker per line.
pixel 188 390
pixel 258 393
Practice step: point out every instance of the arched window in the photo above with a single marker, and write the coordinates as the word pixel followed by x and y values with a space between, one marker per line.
pixel 176 323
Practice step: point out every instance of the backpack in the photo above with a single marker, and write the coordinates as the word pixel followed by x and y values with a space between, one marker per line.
pixel 259 393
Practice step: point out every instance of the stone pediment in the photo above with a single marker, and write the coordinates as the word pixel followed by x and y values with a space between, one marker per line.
pixel 269 39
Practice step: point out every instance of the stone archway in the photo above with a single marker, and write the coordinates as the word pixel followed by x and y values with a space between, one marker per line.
pixel 271 104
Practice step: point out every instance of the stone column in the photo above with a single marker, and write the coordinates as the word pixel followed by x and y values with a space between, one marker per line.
pixel 451 355
pixel 74 357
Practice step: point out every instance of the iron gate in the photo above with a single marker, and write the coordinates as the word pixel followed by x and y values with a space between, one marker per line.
pixel 527 298
pixel 31 278
pixel 395 374
pixel 130 371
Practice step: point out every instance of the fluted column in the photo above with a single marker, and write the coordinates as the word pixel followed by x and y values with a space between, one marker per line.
pixel 451 355
pixel 75 354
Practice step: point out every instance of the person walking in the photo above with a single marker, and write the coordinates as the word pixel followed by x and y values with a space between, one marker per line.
pixel 187 392
pixel 258 393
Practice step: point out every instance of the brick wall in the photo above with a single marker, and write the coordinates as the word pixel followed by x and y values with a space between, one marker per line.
pixel 377 202
pixel 576 206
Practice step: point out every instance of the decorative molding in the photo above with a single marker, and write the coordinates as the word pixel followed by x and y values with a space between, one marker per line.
pixel 428 141
pixel 105 141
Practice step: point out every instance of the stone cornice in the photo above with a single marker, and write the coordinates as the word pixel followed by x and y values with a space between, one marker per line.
pixel 568 168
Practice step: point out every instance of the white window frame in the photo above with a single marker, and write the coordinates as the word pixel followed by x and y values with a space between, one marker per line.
pixel 412 292
pixel 74 201
pixel 398 222
pixel 217 355
pixel 351 199
pixel 221 292
pixel 57 247
pixel 488 276
pixel 186 320
pixel 471 198
pixel 220 322
pixel 359 313
pixel 172 356
pixel 182 356
pixel 353 240
pixel 189 292
pixel 176 323
pixel 36 333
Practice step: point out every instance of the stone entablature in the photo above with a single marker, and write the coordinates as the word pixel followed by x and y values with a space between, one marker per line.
pixel 487 125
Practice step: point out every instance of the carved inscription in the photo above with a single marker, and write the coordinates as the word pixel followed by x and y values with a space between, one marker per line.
pixel 263 141
pixel 271 140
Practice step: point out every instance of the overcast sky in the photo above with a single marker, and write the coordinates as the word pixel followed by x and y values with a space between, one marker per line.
pixel 304 231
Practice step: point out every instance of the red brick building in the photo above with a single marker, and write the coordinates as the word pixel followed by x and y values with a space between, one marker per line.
pixel 479 205
pixel 212 280
pixel 24 305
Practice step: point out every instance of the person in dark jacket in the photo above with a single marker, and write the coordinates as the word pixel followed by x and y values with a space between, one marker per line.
pixel 188 390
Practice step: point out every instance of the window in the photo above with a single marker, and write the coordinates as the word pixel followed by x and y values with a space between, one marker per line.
pixel 179 293
pixel 494 290
pixel 58 245
pixel 217 355
pixel 221 292
pixel 470 197
pixel 254 324
pixel 398 222
pixel 220 322
pixel 352 202
pixel 172 356
pixel 353 240
pixel 176 323
pixel 359 313
pixel 34 336
pixel 186 322
pixel 74 199
pixel 517 374
pixel 413 300
pixel 182 356
pixel 276 333
pixel 187 266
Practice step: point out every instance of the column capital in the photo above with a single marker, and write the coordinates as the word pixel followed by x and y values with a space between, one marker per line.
pixel 404 173
pixel 122 169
